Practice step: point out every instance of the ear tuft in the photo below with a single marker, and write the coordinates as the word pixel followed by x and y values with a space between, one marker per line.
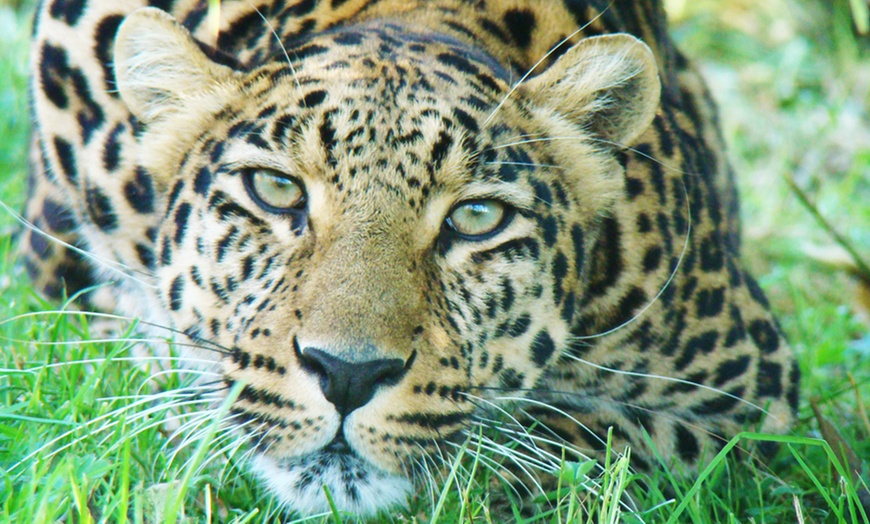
pixel 159 66
pixel 607 84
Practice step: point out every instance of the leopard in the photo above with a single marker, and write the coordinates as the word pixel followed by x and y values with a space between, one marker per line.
pixel 381 221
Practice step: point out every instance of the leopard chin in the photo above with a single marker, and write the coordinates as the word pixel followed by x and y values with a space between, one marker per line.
pixel 355 485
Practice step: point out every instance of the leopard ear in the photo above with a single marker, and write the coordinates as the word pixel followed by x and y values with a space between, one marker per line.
pixel 160 68
pixel 608 84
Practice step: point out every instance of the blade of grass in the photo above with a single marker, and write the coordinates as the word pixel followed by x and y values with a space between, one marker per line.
pixel 863 267
pixel 250 515
pixel 819 486
pixel 79 498
pixel 25 418
pixel 124 503
pixel 862 410
pixel 332 508
pixel 449 482
pixel 465 495
pixel 783 439
pixel 861 15
pixel 175 503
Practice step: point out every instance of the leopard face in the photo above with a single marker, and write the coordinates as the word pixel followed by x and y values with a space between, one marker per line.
pixel 379 232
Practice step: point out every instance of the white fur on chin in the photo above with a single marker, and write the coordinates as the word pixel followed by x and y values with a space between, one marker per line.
pixel 355 486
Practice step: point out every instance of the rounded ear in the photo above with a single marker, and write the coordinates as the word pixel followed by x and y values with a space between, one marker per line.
pixel 609 85
pixel 159 66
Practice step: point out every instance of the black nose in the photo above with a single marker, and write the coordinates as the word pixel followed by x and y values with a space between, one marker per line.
pixel 349 385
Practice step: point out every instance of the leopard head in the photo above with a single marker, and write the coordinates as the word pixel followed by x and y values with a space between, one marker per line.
pixel 379 229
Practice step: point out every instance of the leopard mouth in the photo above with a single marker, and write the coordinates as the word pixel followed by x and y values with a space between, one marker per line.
pixel 354 484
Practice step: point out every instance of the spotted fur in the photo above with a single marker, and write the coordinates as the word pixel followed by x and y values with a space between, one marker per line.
pixel 368 332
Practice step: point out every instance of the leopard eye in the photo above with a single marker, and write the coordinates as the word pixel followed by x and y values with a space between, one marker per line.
pixel 274 191
pixel 477 218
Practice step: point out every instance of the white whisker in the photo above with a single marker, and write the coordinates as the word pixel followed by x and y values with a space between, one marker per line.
pixel 514 420
pixel 112 316
pixel 281 44
pixel 554 409
pixel 111 265
pixel 232 447
pixel 224 425
pixel 667 283
pixel 496 469
pixel 195 430
pixel 675 380
pixel 118 340
pixel 185 391
pixel 539 62
pixel 529 441
pixel 526 164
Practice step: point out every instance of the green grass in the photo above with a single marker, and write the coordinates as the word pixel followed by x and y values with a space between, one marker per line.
pixel 794 85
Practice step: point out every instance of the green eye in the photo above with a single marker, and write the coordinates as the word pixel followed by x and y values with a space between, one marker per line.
pixel 477 217
pixel 274 191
